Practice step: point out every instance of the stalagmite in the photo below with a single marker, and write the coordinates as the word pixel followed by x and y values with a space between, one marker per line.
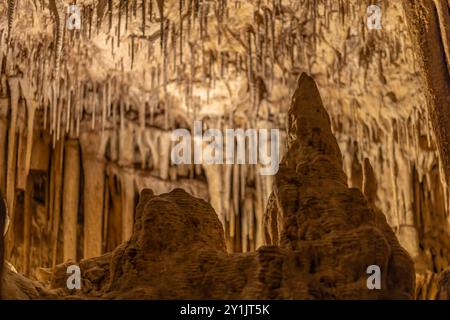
pixel 71 197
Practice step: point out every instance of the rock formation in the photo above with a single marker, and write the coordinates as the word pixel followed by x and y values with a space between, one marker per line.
pixel 322 236
pixel 136 70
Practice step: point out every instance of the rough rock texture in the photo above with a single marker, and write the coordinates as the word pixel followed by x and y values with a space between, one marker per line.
pixel 323 234
pixel 429 24
pixel 16 286
pixel 433 286
pixel 444 285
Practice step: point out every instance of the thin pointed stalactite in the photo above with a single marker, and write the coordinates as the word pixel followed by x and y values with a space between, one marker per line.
pixel 11 12
pixel 144 16
pixel 180 4
pixel 57 7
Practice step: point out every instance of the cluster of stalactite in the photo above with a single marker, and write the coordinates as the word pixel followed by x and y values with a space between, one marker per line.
pixel 86 115
pixel 79 196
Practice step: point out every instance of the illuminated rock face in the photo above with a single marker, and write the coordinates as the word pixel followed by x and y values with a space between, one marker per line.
pixel 328 235
pixel 104 99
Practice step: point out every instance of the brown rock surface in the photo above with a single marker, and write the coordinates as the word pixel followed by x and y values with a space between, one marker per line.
pixel 130 79
pixel 323 235
pixel 15 286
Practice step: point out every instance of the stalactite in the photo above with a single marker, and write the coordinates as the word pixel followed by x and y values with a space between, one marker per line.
pixel 144 15
pixel 250 76
pixel 12 146
pixel 180 4
pixel 57 181
pixel 89 10
pixel 165 80
pixel 126 14
pixel 57 7
pixel 150 10
pixel 119 22
pixel 134 8
pixel 11 12
pixel 110 15
pixel 160 4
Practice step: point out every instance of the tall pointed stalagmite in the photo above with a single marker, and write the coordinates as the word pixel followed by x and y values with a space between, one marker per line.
pixel 312 206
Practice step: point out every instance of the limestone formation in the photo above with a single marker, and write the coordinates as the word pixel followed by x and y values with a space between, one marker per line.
pixel 322 236
pixel 86 116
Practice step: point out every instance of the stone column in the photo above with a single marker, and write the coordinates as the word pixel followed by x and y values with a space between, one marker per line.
pixel 71 198
pixel 92 146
